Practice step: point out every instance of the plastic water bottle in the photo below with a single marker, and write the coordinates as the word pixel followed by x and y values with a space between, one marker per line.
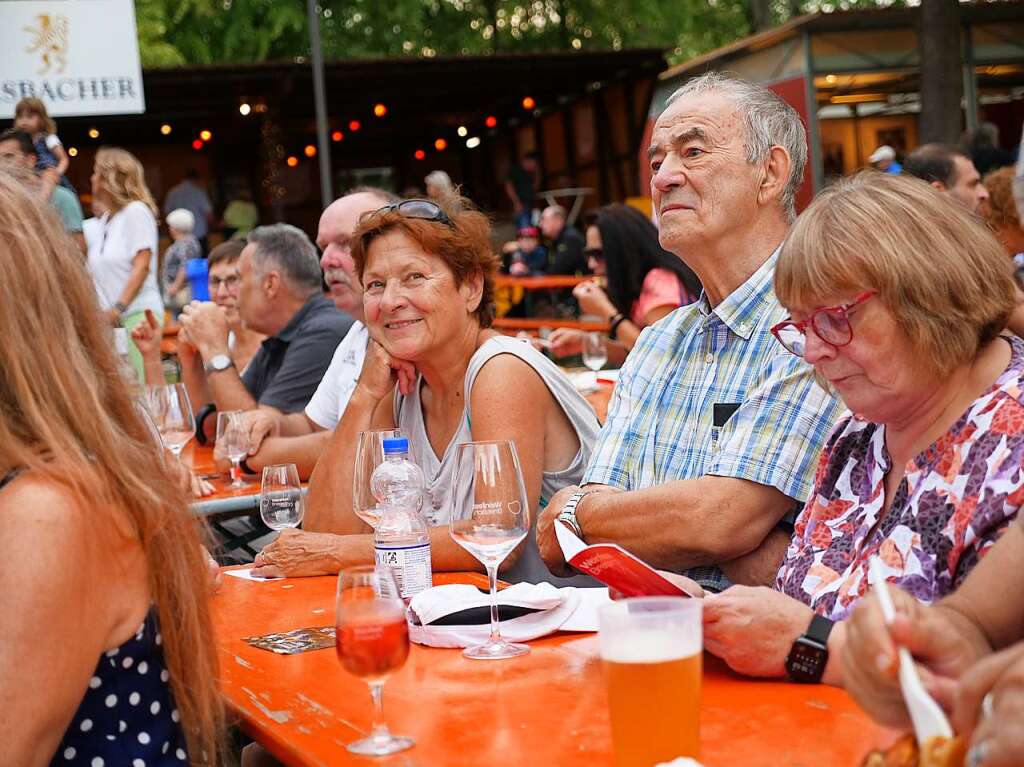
pixel 401 539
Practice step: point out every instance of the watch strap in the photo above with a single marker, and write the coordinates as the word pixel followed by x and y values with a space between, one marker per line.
pixel 819 629
pixel 210 367
pixel 615 321
pixel 568 512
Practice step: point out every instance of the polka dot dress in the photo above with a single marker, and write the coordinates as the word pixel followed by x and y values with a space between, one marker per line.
pixel 127 717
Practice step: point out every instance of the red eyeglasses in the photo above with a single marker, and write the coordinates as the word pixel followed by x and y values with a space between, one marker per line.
pixel 830 323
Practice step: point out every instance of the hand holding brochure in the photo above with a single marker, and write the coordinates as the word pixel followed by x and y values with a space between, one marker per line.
pixel 615 567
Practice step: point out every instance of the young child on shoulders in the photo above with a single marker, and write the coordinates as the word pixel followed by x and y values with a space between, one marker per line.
pixel 52 161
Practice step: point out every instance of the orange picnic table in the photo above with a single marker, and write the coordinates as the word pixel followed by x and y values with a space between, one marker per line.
pixel 227 502
pixel 545 282
pixel 545 709
pixel 225 498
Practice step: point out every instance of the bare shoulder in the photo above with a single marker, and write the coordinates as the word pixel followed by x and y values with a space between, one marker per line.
pixel 43 524
pixel 34 499
pixel 511 376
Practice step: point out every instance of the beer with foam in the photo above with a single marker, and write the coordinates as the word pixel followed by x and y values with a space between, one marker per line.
pixel 651 650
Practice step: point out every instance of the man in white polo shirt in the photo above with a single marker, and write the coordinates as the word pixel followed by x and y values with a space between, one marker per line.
pixel 299 438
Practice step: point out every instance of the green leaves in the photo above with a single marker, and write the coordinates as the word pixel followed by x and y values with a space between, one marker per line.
pixel 175 32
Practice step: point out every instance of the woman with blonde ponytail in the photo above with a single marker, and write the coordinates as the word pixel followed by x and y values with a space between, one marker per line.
pixel 106 652
pixel 123 246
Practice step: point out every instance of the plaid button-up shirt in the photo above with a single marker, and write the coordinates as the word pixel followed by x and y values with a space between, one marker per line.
pixel 662 423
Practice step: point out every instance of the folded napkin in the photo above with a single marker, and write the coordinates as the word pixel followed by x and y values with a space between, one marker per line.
pixel 458 615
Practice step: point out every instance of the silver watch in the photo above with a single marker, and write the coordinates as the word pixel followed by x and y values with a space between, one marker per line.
pixel 568 512
pixel 218 363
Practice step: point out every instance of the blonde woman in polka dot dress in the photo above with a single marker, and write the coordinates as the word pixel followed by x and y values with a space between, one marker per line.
pixel 105 651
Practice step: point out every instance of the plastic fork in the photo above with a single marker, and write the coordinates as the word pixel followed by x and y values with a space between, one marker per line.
pixel 928 718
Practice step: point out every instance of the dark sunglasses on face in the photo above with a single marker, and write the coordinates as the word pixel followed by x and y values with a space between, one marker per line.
pixel 830 323
pixel 596 253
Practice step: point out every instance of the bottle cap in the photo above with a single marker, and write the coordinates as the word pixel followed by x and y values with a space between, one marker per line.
pixel 396 445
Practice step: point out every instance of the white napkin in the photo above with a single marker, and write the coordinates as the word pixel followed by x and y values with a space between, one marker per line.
pixel 555 606
pixel 246 575
pixel 436 602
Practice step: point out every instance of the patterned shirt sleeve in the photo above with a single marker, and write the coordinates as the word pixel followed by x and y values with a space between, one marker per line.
pixel 979 521
pixel 776 435
pixel 823 483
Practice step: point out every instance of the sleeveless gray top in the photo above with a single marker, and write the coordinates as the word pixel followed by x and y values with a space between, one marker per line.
pixel 439 471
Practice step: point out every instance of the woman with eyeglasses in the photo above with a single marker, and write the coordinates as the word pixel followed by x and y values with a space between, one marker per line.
pixel 437 369
pixel 898 298
pixel 638 282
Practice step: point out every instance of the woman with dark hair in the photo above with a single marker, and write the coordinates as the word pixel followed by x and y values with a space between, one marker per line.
pixel 638 282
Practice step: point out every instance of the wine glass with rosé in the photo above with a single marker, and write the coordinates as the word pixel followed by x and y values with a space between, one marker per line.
pixel 372 642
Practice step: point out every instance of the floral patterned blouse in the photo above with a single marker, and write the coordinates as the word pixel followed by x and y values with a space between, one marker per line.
pixel 956 499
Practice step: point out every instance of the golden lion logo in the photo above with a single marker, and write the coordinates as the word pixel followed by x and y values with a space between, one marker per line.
pixel 50 40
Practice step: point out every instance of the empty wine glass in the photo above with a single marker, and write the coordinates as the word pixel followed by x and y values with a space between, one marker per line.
pixel 233 442
pixel 490 516
pixel 369 455
pixel 372 642
pixel 595 354
pixel 281 501
pixel 172 414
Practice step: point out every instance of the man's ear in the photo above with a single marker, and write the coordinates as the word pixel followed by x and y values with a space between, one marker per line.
pixel 938 185
pixel 775 175
pixel 272 284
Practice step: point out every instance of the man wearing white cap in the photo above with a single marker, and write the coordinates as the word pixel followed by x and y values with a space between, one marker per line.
pixel 884 159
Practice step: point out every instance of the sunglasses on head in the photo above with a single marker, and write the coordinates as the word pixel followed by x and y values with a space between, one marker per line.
pixel 425 210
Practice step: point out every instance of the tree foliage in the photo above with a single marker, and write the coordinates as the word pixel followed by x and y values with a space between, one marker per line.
pixel 175 32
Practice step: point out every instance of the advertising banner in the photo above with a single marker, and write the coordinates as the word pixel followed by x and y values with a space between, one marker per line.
pixel 81 57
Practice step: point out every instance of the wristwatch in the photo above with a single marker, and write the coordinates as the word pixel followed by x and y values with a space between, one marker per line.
pixel 568 512
pixel 218 363
pixel 809 654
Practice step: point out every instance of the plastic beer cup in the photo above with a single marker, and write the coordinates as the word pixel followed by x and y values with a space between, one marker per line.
pixel 651 649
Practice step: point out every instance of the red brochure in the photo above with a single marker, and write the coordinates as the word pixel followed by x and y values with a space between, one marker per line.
pixel 615 567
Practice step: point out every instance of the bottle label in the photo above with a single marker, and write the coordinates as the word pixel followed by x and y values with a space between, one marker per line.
pixel 410 565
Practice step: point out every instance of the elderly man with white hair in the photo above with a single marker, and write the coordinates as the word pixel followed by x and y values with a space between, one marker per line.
pixel 714 429
pixel 439 185
pixel 301 437
pixel 185 246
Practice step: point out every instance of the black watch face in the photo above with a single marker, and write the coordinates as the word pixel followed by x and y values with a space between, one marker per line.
pixel 806 661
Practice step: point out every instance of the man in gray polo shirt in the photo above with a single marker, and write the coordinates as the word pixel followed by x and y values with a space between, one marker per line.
pixel 279 295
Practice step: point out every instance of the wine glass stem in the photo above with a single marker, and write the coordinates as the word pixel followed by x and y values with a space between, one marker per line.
pixel 236 469
pixel 380 729
pixel 492 578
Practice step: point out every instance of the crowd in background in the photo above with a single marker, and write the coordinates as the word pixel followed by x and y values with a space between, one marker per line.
pixel 798 395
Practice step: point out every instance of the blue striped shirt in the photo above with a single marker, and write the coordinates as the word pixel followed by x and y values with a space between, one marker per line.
pixel 661 423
